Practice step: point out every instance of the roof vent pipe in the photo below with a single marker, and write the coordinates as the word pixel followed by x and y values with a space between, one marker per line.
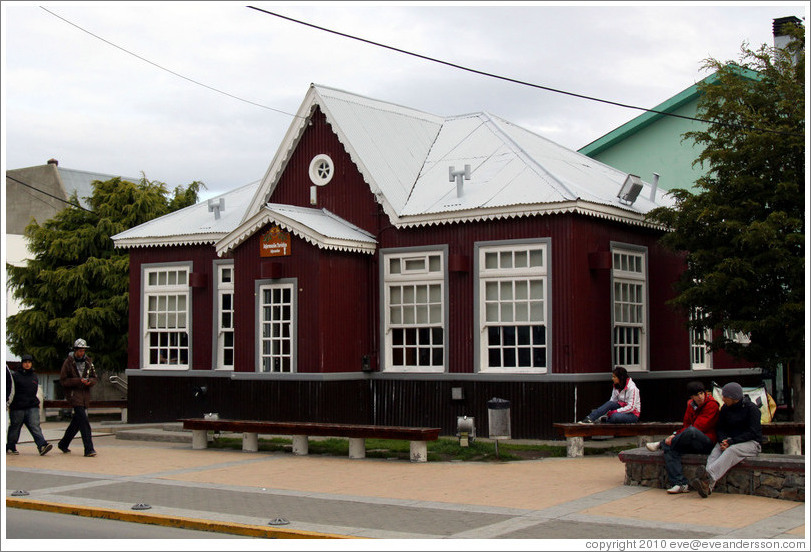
pixel 216 206
pixel 459 176
pixel 654 187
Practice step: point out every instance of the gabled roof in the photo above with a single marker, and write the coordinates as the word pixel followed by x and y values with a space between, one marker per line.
pixel 670 105
pixel 196 224
pixel 317 226
pixel 82 182
pixel 405 155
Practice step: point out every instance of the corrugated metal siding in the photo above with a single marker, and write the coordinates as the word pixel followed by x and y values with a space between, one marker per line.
pixel 534 406
pixel 346 195
pixel 201 257
pixel 334 324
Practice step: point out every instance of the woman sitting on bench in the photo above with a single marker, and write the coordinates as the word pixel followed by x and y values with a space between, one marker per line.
pixel 624 405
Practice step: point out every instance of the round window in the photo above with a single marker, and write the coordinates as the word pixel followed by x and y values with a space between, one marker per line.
pixel 321 169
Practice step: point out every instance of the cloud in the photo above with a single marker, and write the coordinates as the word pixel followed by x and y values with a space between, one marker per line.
pixel 96 107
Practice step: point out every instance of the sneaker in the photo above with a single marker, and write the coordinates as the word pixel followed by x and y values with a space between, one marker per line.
pixel 586 420
pixel 91 453
pixel 702 486
pixel 12 451
pixel 653 447
pixel 602 419
pixel 65 450
pixel 45 449
pixel 677 489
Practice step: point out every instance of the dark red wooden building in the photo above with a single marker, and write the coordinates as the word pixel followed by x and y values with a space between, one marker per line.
pixel 396 267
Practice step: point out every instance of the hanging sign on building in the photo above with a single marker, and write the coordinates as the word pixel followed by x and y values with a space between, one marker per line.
pixel 275 243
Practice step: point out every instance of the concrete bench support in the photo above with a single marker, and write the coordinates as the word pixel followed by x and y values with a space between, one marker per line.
pixel 250 442
pixel 301 446
pixel 574 447
pixel 199 439
pixel 419 451
pixel 357 447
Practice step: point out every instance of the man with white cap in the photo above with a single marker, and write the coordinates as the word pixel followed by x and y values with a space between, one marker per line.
pixel 739 436
pixel 77 377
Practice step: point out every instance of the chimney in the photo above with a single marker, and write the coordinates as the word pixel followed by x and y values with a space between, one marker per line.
pixel 781 39
pixel 53 162
pixel 654 187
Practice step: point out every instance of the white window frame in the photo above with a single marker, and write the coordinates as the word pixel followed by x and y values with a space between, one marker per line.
pixel 513 282
pixel 629 307
pixel 223 315
pixel 414 310
pixel 280 329
pixel 740 338
pixel 700 355
pixel 168 285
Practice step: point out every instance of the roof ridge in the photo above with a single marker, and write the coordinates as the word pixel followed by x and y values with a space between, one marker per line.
pixel 521 152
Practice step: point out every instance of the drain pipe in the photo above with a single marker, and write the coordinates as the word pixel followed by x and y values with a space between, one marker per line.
pixel 654 187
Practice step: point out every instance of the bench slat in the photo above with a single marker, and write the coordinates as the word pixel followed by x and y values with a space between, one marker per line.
pixel 661 428
pixel 315 429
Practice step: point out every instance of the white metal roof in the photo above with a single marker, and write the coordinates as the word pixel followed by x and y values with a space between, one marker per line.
pixel 317 226
pixel 82 182
pixel 195 224
pixel 405 156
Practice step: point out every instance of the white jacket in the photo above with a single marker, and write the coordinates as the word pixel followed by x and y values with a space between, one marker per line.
pixel 628 398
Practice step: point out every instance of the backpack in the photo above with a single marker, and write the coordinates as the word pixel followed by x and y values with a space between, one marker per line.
pixel 759 398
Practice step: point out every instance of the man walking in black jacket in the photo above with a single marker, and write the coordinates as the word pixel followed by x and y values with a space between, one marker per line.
pixel 739 436
pixel 24 408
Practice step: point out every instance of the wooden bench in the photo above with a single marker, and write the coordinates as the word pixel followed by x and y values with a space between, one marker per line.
pixel 114 403
pixel 770 475
pixel 575 433
pixel 357 434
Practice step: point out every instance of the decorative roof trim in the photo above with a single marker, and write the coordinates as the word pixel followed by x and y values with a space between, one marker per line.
pixel 266 216
pixel 160 241
pixel 497 213
pixel 388 208
pixel 282 155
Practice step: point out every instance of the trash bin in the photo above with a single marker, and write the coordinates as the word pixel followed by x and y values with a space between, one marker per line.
pixel 498 416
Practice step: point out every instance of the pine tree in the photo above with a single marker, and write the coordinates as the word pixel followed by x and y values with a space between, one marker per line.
pixel 77 283
pixel 742 228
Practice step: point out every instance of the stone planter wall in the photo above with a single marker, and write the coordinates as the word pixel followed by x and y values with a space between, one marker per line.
pixel 769 475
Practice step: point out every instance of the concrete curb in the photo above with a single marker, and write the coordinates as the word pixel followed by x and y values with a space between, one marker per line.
pixel 179 522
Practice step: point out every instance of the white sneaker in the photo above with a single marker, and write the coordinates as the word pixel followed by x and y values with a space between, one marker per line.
pixel 653 447
pixel 677 489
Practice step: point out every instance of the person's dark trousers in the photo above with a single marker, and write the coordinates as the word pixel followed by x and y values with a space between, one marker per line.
pixel 689 441
pixel 28 417
pixel 78 424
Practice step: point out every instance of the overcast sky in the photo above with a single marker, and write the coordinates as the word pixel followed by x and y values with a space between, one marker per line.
pixel 86 102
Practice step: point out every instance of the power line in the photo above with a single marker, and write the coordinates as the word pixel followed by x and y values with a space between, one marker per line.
pixel 47 194
pixel 516 81
pixel 165 69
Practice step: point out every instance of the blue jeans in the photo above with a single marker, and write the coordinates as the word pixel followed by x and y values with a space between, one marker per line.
pixel 621 418
pixel 29 417
pixel 78 423
pixel 689 441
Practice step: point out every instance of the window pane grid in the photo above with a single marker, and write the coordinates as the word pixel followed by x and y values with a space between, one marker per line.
pixel 513 307
pixel 629 308
pixel 516 346
pixel 276 308
pixel 166 317
pixel 415 320
pixel 415 311
pixel 225 318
